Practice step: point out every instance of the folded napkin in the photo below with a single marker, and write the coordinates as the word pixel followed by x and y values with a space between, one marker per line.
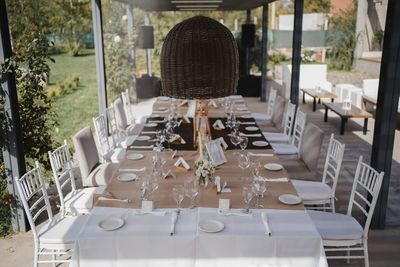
pixel 265 222
pixel 247 122
pixel 112 199
pixel 218 125
pixel 250 135
pixel 156 121
pixel 280 179
pixel 260 154
pixel 133 170
pixel 163 98
pixel 127 141
pixel 177 137
pixel 174 218
pixel 142 147
pixel 148 132
pixel 141 212
pixel 182 162
pixel 186 118
pixel 229 213
pixel 118 155
pixel 222 142
pixel 184 102
pixel 212 103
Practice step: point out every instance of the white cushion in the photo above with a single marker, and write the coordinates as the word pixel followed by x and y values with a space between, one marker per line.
pixel 261 116
pixel 62 231
pixel 310 190
pixel 80 201
pixel 284 149
pixel 116 155
pixel 336 226
pixel 100 175
pixel 127 141
pixel 276 137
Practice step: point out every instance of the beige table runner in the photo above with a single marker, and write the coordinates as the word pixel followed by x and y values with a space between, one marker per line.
pixel 208 197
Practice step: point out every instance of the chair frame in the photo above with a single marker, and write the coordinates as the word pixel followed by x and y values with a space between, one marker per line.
pixel 61 165
pixel 290 114
pixel 271 101
pixel 127 106
pixel 369 180
pixel 100 126
pixel 29 186
pixel 333 164
pixel 298 130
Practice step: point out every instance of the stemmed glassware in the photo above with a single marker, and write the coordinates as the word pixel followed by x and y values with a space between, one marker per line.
pixel 244 141
pixel 259 187
pixel 143 186
pixel 191 190
pixel 243 161
pixel 178 193
pixel 247 194
pixel 153 180
pixel 235 139
pixel 255 169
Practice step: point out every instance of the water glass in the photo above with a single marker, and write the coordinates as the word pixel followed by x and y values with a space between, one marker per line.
pixel 255 169
pixel 244 141
pixel 247 194
pixel 178 193
pixel 143 186
pixel 235 139
pixel 191 190
pixel 259 187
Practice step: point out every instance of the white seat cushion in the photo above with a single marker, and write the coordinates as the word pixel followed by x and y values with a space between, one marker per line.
pixel 100 175
pixel 276 137
pixel 310 190
pixel 261 117
pixel 336 226
pixel 62 231
pixel 80 201
pixel 284 149
pixel 116 155
pixel 127 141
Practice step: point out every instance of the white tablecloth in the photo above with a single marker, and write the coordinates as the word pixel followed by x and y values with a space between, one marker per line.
pixel 144 240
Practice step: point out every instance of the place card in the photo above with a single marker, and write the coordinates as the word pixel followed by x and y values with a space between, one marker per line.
pixel 147 206
pixel 186 119
pixel 223 143
pixel 182 162
pixel 218 183
pixel 215 152
pixel 224 204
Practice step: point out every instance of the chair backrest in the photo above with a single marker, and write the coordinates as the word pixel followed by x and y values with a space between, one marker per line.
pixel 127 105
pixel 100 126
pixel 298 129
pixel 33 195
pixel 120 115
pixel 289 118
pixel 112 124
pixel 86 151
pixel 271 101
pixel 311 146
pixel 279 108
pixel 333 162
pixel 61 165
pixel 367 182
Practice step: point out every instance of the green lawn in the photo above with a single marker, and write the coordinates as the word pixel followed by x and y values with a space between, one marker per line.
pixel 76 109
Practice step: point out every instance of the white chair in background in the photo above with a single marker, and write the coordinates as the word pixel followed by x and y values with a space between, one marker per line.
pixel 76 201
pixel 319 195
pixel 120 137
pixel 341 89
pixel 289 118
pixel 121 119
pixel 370 90
pixel 342 232
pixel 261 117
pixel 108 152
pixel 127 106
pixel 93 172
pixel 56 238
pixel 295 142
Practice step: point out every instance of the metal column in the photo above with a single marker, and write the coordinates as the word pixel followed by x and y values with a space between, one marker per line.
pixel 264 51
pixel 13 153
pixel 99 49
pixel 296 53
pixel 386 108
pixel 247 49
pixel 148 50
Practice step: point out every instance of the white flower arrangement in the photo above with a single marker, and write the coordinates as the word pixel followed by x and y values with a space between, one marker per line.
pixel 205 170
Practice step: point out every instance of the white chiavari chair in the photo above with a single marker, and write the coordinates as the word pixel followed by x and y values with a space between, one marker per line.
pixel 54 241
pixel 288 121
pixel 321 195
pixel 261 117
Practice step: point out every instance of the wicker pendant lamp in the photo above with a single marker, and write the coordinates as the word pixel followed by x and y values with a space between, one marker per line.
pixel 199 60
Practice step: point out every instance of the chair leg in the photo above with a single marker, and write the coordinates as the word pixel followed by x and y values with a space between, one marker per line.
pixel 36 257
pixel 53 257
pixel 333 205
pixel 348 256
pixel 366 258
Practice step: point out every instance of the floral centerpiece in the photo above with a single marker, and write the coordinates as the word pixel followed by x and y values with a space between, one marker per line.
pixel 205 170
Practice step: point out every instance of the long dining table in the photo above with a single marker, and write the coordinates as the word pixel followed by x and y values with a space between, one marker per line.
pixel 144 239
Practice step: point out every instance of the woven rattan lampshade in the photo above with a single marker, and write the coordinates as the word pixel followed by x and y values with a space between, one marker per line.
pixel 199 60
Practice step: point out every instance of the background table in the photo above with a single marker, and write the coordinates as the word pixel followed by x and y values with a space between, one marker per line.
pixel 317 95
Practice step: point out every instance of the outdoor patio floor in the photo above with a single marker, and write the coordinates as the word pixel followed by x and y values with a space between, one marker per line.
pixel 384 245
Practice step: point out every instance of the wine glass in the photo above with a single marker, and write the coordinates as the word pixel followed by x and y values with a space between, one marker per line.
pixel 244 141
pixel 235 139
pixel 255 169
pixel 247 194
pixel 191 190
pixel 235 125
pixel 259 187
pixel 143 186
pixel 153 182
pixel 178 193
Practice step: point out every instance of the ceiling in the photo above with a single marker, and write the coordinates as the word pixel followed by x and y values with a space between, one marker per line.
pixel 195 5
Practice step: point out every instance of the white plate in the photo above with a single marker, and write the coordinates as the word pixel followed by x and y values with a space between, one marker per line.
pixel 111 223
pixel 127 177
pixel 135 156
pixel 211 226
pixel 251 128
pixel 163 98
pixel 273 166
pixel 241 109
pixel 150 125
pixel 143 138
pixel 260 143
pixel 161 109
pixel 289 199
pixel 246 117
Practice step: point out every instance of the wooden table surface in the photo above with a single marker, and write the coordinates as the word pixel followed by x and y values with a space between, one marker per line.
pixel 354 112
